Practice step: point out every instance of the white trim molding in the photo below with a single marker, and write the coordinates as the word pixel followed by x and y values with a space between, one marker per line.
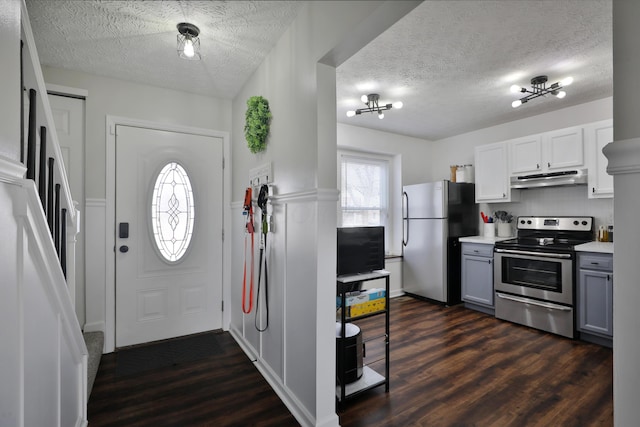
pixel 623 156
pixel 11 171
pixel 109 292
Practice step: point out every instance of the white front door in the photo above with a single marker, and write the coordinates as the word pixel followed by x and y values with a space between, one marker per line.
pixel 166 284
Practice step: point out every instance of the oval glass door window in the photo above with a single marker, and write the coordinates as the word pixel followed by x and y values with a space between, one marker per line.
pixel 172 212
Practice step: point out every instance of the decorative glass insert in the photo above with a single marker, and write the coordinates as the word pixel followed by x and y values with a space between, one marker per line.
pixel 172 212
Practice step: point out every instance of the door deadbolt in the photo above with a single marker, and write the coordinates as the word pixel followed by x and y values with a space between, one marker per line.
pixel 124 249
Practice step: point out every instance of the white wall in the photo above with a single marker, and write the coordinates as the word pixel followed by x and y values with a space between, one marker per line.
pixel 624 162
pixel 10 81
pixel 115 97
pixel 415 154
pixel 297 354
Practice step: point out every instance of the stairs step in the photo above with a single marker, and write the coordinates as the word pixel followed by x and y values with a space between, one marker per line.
pixel 94 342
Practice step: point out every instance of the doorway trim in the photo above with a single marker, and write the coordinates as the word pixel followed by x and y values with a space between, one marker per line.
pixel 110 280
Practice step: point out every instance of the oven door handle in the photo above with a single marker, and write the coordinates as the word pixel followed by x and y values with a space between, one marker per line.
pixel 533 302
pixel 531 253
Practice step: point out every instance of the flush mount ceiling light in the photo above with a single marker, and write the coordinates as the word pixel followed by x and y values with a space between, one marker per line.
pixel 188 41
pixel 538 88
pixel 371 101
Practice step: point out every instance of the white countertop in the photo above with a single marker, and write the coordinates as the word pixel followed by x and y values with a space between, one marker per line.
pixel 483 239
pixel 601 247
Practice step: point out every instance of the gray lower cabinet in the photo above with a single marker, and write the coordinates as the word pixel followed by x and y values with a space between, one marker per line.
pixel 477 276
pixel 595 295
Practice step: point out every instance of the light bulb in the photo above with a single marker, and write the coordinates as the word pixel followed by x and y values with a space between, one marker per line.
pixel 380 115
pixel 516 103
pixel 566 82
pixel 188 48
pixel 364 98
pixel 514 88
pixel 561 94
pixel 351 113
pixel 398 105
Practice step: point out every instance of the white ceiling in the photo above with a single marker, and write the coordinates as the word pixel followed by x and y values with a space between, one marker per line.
pixel 450 62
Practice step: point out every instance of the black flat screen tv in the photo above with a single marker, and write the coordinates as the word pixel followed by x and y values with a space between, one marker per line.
pixel 360 250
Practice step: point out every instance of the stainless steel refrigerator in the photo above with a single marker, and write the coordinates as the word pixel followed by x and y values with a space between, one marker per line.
pixel 435 215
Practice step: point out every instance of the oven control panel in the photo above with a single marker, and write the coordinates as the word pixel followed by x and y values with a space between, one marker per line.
pixel 559 223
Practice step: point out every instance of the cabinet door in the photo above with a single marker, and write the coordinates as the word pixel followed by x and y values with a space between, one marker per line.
pixel 477 280
pixel 492 179
pixel 526 155
pixel 564 149
pixel 595 302
pixel 600 182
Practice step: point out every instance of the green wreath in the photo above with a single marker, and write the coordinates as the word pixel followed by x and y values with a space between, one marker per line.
pixel 256 128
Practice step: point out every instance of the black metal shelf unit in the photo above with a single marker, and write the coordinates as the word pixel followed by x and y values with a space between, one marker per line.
pixel 370 377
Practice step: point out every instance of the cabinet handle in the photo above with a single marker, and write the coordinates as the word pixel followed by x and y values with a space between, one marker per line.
pixel 489 261
pixel 595 263
pixel 476 251
pixel 608 277
pixel 548 164
pixel 593 189
pixel 537 165
pixel 504 195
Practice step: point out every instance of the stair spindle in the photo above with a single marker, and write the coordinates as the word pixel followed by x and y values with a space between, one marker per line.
pixel 63 243
pixel 31 137
pixel 42 166
pixel 56 222
pixel 21 103
pixel 50 196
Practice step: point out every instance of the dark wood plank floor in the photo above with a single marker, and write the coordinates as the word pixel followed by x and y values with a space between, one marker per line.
pixel 449 367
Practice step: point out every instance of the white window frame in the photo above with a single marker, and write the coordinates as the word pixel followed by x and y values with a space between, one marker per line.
pixel 386 219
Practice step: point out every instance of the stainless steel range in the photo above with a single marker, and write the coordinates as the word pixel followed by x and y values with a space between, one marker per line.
pixel 534 273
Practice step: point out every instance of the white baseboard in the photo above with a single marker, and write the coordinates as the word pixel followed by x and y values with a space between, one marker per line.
pixel 94 327
pixel 300 413
pixel 396 293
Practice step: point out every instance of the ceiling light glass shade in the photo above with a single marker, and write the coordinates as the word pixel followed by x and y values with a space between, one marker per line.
pixel 188 48
pixel 188 41
pixel 398 105
pixel 351 113
pixel 364 98
pixel 561 94
pixel 566 82
pixel 515 88
pixel 380 115
pixel 516 103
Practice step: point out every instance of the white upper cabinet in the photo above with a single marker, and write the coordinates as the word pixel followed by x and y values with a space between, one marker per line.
pixel 563 149
pixel 547 152
pixel 597 135
pixel 492 173
pixel 526 155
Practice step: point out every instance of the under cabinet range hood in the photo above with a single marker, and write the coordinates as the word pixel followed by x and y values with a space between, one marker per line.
pixel 550 179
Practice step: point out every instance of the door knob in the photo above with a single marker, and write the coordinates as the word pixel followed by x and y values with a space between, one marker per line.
pixel 124 249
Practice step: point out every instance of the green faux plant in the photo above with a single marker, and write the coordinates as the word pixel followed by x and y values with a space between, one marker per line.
pixel 256 128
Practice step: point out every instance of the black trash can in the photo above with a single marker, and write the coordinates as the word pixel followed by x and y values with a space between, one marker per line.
pixel 349 363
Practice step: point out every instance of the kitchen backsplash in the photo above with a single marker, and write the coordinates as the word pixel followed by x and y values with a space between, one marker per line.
pixel 561 201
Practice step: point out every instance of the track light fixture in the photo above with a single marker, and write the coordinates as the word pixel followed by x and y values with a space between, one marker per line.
pixel 538 88
pixel 371 101
pixel 188 41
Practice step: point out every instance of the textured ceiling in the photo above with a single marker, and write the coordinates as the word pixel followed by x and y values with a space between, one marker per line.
pixel 451 62
pixel 136 40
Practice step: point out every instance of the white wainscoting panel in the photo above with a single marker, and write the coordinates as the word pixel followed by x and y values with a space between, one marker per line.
pixel 95 268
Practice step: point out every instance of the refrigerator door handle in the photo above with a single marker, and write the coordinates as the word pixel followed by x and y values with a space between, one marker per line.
pixel 405 219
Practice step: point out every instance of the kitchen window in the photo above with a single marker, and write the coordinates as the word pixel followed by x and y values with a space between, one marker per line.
pixel 364 190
